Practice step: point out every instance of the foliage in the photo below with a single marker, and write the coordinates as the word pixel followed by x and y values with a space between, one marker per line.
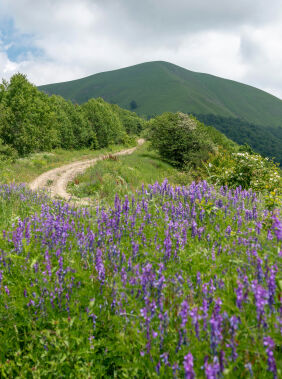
pixel 7 153
pixel 266 140
pixel 243 169
pixel 105 123
pixel 31 121
pixel 132 123
pixel 180 139
pixel 26 119
pixel 170 282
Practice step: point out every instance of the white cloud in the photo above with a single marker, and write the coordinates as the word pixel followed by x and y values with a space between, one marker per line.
pixel 236 40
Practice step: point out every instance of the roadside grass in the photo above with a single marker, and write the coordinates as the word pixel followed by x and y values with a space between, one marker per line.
pixel 24 170
pixel 124 175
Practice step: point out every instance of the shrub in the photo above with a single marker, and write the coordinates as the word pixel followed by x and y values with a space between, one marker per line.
pixel 7 152
pixel 180 139
pixel 243 169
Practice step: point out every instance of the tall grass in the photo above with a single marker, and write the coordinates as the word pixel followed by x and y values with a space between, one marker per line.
pixel 123 175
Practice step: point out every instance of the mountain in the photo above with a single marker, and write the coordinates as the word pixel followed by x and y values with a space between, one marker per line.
pixel 155 87
pixel 243 113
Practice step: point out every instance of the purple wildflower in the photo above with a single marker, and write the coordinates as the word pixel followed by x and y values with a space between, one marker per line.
pixel 212 370
pixel 261 299
pixel 277 227
pixel 269 344
pixel 188 366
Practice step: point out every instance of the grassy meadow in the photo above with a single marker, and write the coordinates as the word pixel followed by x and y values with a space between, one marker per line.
pixel 175 272
pixel 168 282
pixel 124 175
pixel 24 170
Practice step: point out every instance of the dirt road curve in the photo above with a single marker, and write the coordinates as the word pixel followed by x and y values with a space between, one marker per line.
pixel 56 180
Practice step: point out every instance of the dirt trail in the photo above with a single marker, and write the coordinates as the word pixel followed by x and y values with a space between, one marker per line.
pixel 56 180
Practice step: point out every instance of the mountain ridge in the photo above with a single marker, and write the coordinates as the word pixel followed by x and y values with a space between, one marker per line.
pixel 173 88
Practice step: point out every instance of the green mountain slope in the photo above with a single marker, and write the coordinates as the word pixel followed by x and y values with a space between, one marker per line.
pixel 157 87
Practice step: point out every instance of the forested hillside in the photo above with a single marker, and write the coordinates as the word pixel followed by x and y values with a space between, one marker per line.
pixel 265 140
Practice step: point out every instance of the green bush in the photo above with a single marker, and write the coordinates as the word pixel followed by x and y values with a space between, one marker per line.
pixel 243 169
pixel 180 139
pixel 7 152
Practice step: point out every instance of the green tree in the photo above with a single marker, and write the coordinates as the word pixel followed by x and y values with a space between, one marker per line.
pixel 104 122
pixel 180 139
pixel 27 120
pixel 133 105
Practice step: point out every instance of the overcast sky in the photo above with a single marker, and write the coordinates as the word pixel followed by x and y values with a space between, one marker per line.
pixel 59 40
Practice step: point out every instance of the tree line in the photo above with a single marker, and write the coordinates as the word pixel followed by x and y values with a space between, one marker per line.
pixel 31 121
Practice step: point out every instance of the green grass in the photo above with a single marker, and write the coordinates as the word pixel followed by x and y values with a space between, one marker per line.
pixel 124 175
pixel 157 87
pixel 24 170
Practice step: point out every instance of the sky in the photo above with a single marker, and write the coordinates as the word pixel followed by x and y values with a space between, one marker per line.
pixel 58 40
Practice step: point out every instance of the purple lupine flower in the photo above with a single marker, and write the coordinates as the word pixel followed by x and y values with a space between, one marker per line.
pixel 184 313
pixel 158 366
pixel 269 344
pixel 204 309
pixel 234 322
pixel 228 230
pixel 258 227
pixel 260 275
pixel 269 235
pixel 189 366
pixel 261 298
pixel 212 370
pixel 99 265
pixel 216 332
pixel 277 227
pixel 271 283
pixel 195 320
pixel 222 360
pixel 167 244
pixel 164 358
pixel 175 368
pixel 216 327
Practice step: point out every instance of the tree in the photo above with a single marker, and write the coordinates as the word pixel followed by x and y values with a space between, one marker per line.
pixel 133 105
pixel 27 120
pixel 104 122
pixel 180 139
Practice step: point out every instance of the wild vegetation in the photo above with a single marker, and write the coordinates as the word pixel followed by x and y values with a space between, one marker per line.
pixel 124 176
pixel 176 270
pixel 265 140
pixel 31 121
